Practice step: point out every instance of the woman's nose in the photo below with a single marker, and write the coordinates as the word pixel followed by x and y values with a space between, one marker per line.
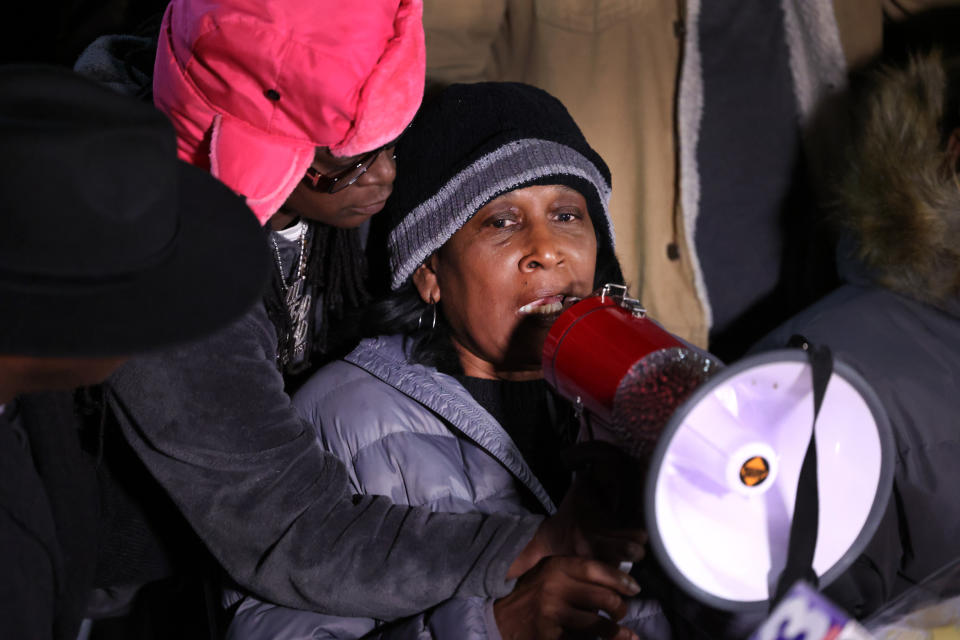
pixel 383 171
pixel 544 248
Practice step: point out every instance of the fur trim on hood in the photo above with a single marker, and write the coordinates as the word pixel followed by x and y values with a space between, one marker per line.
pixel 900 199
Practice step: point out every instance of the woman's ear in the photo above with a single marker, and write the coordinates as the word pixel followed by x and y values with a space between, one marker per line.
pixel 425 280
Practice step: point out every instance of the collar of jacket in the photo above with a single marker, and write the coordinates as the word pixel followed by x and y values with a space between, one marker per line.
pixel 385 359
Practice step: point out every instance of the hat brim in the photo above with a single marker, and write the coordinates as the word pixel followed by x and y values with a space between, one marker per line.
pixel 216 269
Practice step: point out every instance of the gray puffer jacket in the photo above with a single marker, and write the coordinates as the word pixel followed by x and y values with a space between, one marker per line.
pixel 415 435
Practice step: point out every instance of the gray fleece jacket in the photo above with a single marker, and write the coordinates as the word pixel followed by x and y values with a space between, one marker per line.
pixel 416 435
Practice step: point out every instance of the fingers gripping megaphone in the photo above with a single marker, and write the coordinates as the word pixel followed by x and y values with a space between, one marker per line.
pixel 751 466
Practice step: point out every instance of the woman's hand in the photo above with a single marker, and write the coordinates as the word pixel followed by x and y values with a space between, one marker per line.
pixel 563 597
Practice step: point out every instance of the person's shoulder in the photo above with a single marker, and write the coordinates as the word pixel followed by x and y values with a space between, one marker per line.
pixel 337 379
pixel 358 370
pixel 345 388
pixel 353 404
pixel 833 316
pixel 246 347
pixel 121 62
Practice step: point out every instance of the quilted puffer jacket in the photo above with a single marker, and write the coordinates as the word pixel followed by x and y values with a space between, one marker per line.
pixel 415 435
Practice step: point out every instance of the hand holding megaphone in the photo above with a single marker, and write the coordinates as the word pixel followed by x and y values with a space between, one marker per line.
pixel 564 597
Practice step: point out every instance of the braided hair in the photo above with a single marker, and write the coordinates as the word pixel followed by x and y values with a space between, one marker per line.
pixel 335 273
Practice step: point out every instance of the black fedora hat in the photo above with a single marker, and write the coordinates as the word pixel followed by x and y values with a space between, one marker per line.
pixel 110 245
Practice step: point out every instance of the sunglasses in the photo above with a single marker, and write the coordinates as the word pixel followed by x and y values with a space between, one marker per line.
pixel 317 181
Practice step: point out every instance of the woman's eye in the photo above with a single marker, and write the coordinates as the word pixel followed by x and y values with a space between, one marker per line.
pixel 568 216
pixel 502 222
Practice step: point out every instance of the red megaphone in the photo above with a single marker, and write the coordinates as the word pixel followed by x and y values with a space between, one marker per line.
pixel 624 369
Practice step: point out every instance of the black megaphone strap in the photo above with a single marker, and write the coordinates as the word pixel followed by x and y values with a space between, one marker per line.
pixel 806 511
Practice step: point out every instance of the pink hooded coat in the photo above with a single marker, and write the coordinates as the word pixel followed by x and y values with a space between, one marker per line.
pixel 254 86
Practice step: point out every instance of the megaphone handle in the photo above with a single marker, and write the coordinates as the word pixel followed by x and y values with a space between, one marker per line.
pixel 806 511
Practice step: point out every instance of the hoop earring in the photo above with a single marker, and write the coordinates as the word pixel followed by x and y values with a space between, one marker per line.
pixel 433 319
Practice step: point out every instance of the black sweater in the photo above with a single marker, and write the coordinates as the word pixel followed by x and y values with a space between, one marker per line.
pixel 539 421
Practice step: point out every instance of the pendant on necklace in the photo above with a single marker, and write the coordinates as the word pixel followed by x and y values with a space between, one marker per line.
pixel 298 301
pixel 294 292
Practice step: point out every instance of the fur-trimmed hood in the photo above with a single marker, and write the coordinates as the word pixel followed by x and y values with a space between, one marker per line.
pixel 900 199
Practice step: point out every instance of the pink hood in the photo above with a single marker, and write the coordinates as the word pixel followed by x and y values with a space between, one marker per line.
pixel 254 86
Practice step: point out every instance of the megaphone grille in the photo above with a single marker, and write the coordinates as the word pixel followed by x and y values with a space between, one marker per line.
pixel 723 538
pixel 651 391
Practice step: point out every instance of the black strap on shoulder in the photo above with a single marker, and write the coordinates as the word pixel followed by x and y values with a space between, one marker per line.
pixel 806 512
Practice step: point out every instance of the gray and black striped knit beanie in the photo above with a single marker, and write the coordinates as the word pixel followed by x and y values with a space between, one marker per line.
pixel 475 142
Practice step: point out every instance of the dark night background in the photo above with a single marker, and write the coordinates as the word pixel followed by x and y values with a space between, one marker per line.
pixel 56 32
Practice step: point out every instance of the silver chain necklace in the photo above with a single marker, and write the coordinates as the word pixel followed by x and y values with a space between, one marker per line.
pixel 301 260
pixel 297 299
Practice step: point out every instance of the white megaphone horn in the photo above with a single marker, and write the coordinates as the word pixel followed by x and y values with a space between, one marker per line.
pixel 742 494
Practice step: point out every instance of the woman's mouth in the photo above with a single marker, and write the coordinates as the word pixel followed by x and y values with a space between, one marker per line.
pixel 547 305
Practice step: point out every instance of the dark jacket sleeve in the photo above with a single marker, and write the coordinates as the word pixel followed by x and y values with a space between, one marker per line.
pixel 212 423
